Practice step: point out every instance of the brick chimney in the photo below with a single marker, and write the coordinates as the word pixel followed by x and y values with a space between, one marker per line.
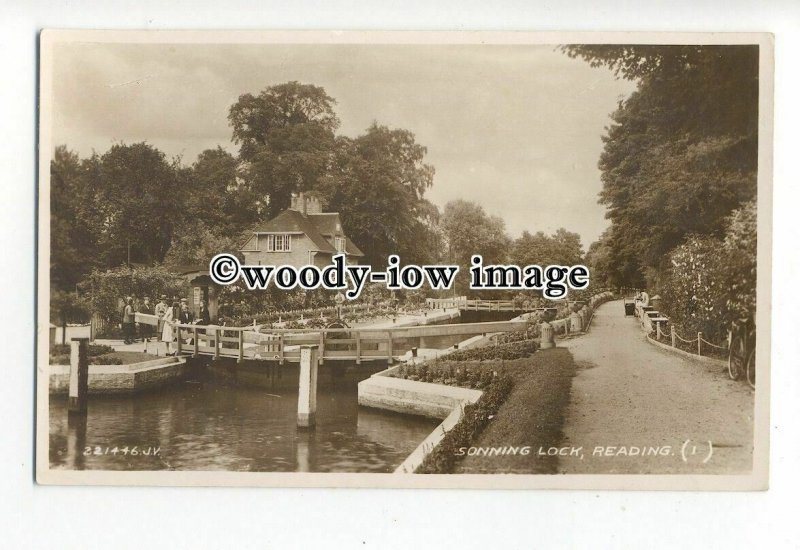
pixel 298 202
pixel 305 204
pixel 313 205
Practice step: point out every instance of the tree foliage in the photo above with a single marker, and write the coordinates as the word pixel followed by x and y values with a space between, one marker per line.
pixel 681 152
pixel 377 184
pixel 711 281
pixel 469 230
pixel 73 236
pixel 561 248
pixel 286 140
pixel 107 289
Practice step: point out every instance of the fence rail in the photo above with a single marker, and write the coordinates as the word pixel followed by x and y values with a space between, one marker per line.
pixel 364 344
pixel 655 322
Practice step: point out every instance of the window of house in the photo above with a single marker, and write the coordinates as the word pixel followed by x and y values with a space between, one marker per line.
pixel 340 244
pixel 279 243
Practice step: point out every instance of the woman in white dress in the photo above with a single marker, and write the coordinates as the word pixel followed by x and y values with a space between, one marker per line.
pixel 168 333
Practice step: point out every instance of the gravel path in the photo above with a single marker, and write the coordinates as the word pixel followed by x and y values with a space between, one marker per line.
pixel 633 407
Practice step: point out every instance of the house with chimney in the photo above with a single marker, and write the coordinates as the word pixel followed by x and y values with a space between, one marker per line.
pixel 301 235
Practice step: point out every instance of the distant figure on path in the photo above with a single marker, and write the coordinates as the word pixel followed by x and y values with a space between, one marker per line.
pixel 128 322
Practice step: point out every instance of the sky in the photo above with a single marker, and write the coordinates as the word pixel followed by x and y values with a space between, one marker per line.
pixel 514 128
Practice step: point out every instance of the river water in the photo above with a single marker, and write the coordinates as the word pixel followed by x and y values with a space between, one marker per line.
pixel 216 424
pixel 241 420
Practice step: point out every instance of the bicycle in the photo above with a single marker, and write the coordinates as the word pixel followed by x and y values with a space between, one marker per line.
pixel 742 353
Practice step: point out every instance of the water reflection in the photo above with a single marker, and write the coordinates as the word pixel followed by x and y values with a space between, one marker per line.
pixel 208 424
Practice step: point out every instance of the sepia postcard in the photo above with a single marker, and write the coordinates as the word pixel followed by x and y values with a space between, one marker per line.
pixel 404 259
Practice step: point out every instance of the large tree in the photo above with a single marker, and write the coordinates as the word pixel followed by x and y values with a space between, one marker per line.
pixel 377 183
pixel 218 198
pixel 286 140
pixel 136 203
pixel 73 242
pixel 469 230
pixel 561 248
pixel 681 153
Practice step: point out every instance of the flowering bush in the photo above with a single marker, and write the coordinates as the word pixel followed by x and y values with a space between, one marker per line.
pixel 711 281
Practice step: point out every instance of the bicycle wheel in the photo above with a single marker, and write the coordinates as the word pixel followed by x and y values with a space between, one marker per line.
pixel 751 369
pixel 736 358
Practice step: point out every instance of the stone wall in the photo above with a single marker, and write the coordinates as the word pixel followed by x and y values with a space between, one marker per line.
pixel 413 397
pixel 116 379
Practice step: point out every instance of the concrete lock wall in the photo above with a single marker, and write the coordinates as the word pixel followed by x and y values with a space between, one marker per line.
pixel 413 397
pixel 114 379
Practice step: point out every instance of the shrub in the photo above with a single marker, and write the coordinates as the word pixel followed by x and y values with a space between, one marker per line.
pixel 108 288
pixel 711 282
pixel 476 416
pixel 509 351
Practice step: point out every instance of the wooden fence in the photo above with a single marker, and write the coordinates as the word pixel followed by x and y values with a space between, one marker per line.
pixel 365 344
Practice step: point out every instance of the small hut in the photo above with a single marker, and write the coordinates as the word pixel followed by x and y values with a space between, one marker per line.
pixel 199 288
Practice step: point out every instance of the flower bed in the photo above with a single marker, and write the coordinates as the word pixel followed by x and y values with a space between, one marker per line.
pixel 99 354
pixel 506 351
pixel 452 374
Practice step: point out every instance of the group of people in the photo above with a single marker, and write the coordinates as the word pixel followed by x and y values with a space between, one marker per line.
pixel 168 317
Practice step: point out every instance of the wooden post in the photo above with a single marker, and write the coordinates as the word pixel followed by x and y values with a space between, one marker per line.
pixel 321 345
pixel 280 348
pixel 241 346
pixel 390 349
pixel 216 343
pixel 307 393
pixel 358 348
pixel 699 336
pixel 78 376
pixel 196 343
pixel 672 334
pixel 179 342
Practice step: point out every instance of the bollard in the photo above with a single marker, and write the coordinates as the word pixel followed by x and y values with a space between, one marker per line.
pixel 575 322
pixel 699 336
pixel 78 376
pixel 307 394
pixel 413 352
pixel 547 336
pixel 672 335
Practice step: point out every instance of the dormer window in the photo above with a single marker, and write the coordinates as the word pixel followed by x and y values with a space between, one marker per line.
pixel 279 243
pixel 340 244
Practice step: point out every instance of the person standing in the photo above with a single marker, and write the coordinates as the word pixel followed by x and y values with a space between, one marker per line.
pixel 160 310
pixel 168 332
pixel 185 317
pixel 145 330
pixel 185 314
pixel 205 317
pixel 129 322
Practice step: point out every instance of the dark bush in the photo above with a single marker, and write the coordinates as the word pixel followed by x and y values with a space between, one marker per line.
pixel 513 350
pixel 443 458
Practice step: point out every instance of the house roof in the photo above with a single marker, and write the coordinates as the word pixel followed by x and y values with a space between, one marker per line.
pixel 352 249
pixel 292 221
pixel 185 269
pixel 326 222
pixel 314 226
